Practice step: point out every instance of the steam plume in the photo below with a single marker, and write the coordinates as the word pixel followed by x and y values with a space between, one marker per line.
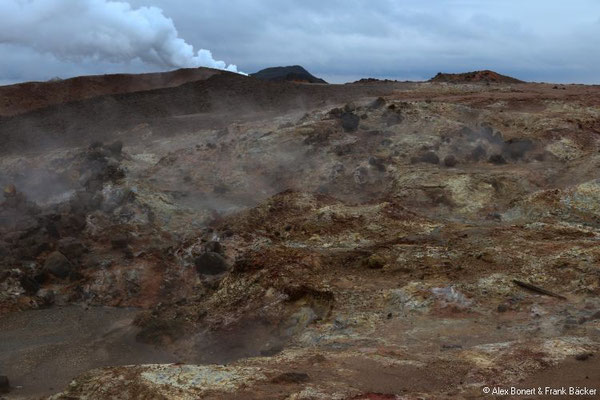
pixel 101 29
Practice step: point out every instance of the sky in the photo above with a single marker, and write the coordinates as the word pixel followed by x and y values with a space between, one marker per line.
pixel 338 40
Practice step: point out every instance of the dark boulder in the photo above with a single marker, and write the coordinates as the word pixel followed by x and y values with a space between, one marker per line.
pixel 29 284
pixel 46 297
pixel 377 103
pixel 478 153
pixel 71 247
pixel 350 121
pixel 214 247
pixel 450 161
pixel 497 159
pixel 428 157
pixel 377 162
pixel 120 241
pixel 210 263
pixel 115 148
pixel 515 149
pixel 392 117
pixel 58 265
pixel 291 377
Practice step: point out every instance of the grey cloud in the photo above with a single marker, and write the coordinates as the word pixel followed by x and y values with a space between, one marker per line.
pixel 343 40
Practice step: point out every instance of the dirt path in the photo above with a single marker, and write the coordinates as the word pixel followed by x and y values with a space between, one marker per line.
pixel 42 350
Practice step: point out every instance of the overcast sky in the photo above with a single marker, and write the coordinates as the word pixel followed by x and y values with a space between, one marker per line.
pixel 338 40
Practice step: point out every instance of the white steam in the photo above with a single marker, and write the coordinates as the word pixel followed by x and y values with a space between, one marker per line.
pixel 100 29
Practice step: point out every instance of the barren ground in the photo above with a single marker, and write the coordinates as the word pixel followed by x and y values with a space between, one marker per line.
pixel 289 241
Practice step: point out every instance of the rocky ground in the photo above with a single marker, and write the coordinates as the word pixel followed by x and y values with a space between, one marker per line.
pixel 377 240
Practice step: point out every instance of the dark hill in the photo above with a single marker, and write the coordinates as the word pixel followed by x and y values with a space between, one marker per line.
pixel 294 73
pixel 485 76
pixel 28 96
pixel 203 104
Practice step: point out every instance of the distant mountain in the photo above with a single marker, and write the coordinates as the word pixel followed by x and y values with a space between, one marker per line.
pixel 485 76
pixel 294 73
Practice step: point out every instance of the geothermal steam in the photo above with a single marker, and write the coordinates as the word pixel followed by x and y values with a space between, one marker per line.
pixel 101 29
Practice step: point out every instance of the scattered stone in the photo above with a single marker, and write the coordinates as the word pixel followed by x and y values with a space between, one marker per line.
pixel 120 241
pixel 377 163
pixel 29 284
pixel 58 265
pixel 349 107
pixel 291 377
pixel 493 216
pixel 583 356
pixel 392 117
pixel 336 171
pixel 71 247
pixel 210 263
pixel 450 161
pixel 428 157
pixel 451 346
pixel 10 191
pixel 159 331
pixel 361 175
pixel 335 112
pixel 377 103
pixel 115 148
pixel 497 159
pixel 538 289
pixel 350 121
pixel 271 351
pixel 478 153
pixel 214 246
pixel 515 149
pixel 47 297
pixel 374 262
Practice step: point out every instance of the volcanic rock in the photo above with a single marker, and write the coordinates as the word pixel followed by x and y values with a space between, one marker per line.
pixel 350 121
pixel 497 159
pixel 450 161
pixel 58 265
pixel 428 157
pixel 210 263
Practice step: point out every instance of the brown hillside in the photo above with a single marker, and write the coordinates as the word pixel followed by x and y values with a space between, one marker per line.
pixel 24 97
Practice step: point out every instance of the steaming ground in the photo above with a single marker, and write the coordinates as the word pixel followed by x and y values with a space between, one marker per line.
pixel 281 240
